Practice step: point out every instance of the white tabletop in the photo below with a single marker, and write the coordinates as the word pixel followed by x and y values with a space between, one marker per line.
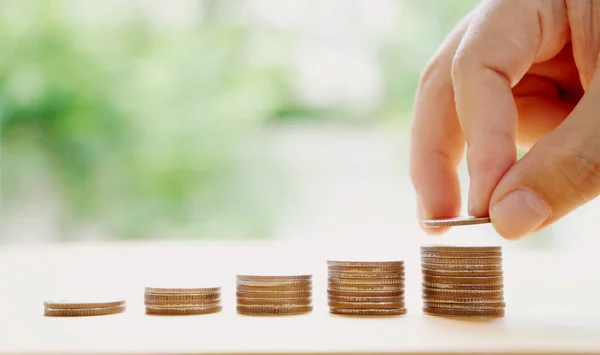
pixel 552 304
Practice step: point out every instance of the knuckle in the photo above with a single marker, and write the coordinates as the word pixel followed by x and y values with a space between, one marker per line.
pixel 459 63
pixel 436 68
pixel 580 171
pixel 491 152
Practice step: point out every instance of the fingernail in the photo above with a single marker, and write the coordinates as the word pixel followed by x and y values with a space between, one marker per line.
pixel 472 203
pixel 519 213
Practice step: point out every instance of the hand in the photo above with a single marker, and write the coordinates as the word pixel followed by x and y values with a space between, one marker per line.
pixel 512 72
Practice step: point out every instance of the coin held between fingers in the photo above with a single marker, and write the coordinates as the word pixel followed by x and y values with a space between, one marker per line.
pixel 454 221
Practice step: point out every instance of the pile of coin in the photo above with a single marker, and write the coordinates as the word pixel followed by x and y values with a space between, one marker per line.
pixel 62 308
pixel 182 301
pixel 357 288
pixel 263 295
pixel 462 281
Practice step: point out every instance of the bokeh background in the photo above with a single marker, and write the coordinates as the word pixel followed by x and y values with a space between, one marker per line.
pixel 217 119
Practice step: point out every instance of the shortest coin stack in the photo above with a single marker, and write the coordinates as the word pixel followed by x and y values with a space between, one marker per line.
pixel 60 308
pixel 357 288
pixel 262 295
pixel 462 281
pixel 182 301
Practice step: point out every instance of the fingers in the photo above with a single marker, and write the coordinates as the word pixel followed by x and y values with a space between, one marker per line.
pixel 559 174
pixel 561 72
pixel 585 29
pixel 539 116
pixel 437 144
pixel 501 44
pixel 546 96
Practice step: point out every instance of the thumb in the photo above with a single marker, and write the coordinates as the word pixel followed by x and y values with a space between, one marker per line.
pixel 559 174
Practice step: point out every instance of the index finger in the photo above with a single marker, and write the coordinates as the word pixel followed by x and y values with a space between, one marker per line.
pixel 437 144
pixel 499 47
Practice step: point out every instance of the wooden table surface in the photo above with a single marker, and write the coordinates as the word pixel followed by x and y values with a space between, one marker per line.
pixel 552 304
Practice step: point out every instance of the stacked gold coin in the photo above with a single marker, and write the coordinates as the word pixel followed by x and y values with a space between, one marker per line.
pixel 462 281
pixel 366 288
pixel 61 308
pixel 182 301
pixel 263 295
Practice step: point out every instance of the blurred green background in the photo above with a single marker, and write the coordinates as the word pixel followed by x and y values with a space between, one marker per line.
pixel 134 115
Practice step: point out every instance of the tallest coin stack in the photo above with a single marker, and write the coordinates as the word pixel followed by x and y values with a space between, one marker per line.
pixel 462 281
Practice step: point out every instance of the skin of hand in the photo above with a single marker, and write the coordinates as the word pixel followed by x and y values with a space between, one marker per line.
pixel 512 73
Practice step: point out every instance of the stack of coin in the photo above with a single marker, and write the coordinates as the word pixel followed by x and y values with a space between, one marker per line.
pixel 182 301
pixel 462 281
pixel 262 295
pixel 359 288
pixel 62 308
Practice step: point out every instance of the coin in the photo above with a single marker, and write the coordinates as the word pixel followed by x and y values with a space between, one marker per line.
pixel 367 312
pixel 183 290
pixel 366 305
pixel 434 292
pixel 273 311
pixel 274 302
pixel 178 311
pixel 481 313
pixel 479 261
pixel 462 286
pixel 461 267
pixel 464 306
pixel 277 278
pixel 366 281
pixel 181 296
pixel 345 275
pixel 365 263
pixel 463 300
pixel 182 304
pixel 72 304
pixel 343 287
pixel 455 221
pixel 266 289
pixel 464 273
pixel 366 293
pixel 83 312
pixel 276 295
pixel 366 299
pixel 293 283
pixel 463 280
pixel 460 249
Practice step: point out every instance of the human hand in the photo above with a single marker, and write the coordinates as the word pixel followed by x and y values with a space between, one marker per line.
pixel 512 72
